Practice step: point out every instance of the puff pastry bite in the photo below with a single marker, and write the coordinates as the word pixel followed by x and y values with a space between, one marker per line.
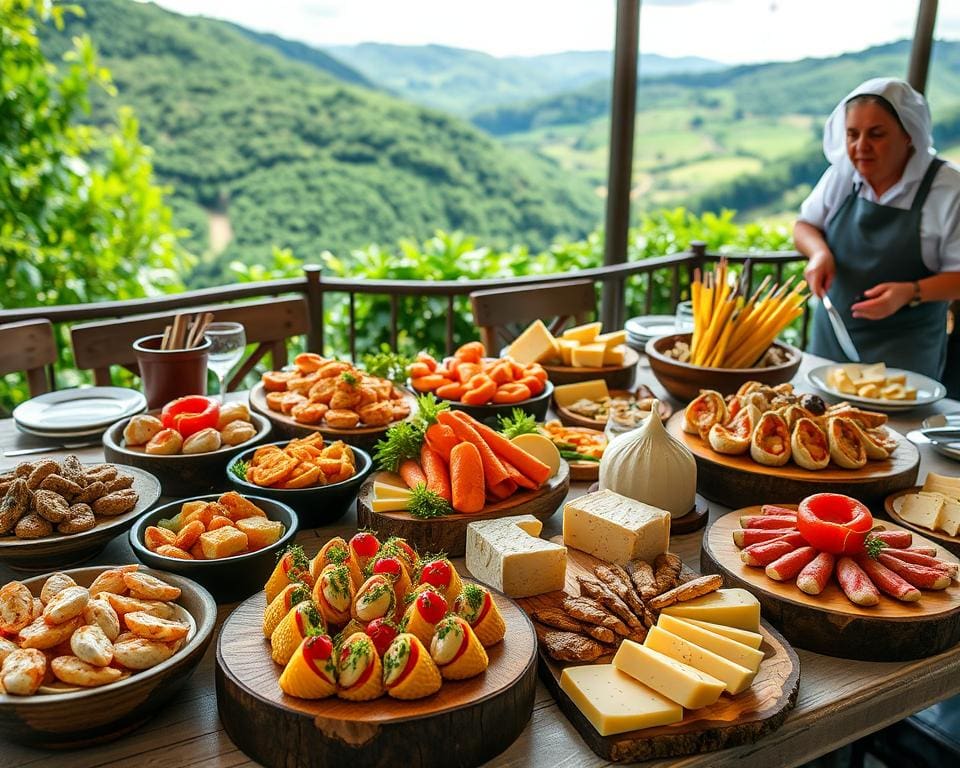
pixel 376 599
pixel 333 594
pixel 809 445
pixel 204 441
pixel 301 621
pixel 409 672
pixel 311 672
pixel 233 412
pixel 705 410
pixel 793 413
pixel 770 442
pixel 846 446
pixel 337 552
pixel 478 607
pixel 456 650
pixel 359 671
pixel 734 438
pixel 237 432
pixel 141 429
pixel 166 442
pixel 875 446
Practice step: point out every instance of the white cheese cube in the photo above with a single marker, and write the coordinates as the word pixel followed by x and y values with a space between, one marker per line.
pixel 506 555
pixel 615 528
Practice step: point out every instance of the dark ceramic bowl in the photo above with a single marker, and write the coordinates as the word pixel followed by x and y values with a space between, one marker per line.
pixel 684 381
pixel 229 578
pixel 535 406
pixel 79 718
pixel 317 505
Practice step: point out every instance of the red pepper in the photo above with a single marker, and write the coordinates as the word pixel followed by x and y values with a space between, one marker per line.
pixel 190 414
pixel 832 522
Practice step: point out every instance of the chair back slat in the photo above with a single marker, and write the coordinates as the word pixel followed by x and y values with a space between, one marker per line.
pixel 29 347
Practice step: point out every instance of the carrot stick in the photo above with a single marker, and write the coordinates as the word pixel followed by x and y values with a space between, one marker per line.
pixel 466 478
pixel 529 465
pixel 517 476
pixel 494 475
pixel 435 468
pixel 411 473
pixel 441 439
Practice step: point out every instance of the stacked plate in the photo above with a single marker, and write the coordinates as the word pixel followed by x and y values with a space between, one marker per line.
pixel 641 329
pixel 948 448
pixel 83 412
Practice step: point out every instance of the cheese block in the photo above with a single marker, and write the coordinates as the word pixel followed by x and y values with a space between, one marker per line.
pixel 504 554
pixel 922 509
pixel 535 343
pixel 679 682
pixel 730 649
pixel 567 394
pixel 390 504
pixel 612 339
pixel 566 347
pixel 950 517
pixel 732 607
pixel 751 639
pixel 540 447
pixel 388 491
pixel 735 677
pixel 588 356
pixel 583 334
pixel 615 355
pixel 614 702
pixel 948 486
pixel 615 528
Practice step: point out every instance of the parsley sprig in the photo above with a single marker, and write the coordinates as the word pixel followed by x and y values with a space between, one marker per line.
pixel 425 503
pixel 519 422
pixel 405 438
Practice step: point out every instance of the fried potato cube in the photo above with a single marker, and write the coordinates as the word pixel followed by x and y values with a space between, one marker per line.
pixel 260 531
pixel 223 542
pixel 238 507
pixel 188 534
pixel 191 506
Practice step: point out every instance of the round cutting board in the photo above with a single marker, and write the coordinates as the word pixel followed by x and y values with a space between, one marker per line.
pixel 892 504
pixel 287 426
pixel 465 723
pixel 829 623
pixel 449 533
pixel 737 481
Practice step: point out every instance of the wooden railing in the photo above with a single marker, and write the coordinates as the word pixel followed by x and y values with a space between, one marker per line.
pixel 315 286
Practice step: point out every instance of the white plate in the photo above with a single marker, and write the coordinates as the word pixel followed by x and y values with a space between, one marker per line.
pixel 928 390
pixel 641 329
pixel 63 435
pixel 78 410
pixel 949 449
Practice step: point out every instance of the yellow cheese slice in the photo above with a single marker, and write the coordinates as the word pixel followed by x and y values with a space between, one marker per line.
pixel 736 677
pixel 731 650
pixel 387 491
pixel 679 682
pixel 390 505
pixel 950 517
pixel 614 702
pixel 588 356
pixel 566 350
pixel 534 344
pixel 540 447
pixel 752 639
pixel 567 394
pixel 948 486
pixel 615 355
pixel 733 607
pixel 612 339
pixel 583 333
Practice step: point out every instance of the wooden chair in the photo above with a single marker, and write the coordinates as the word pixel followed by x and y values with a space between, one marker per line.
pixel 268 325
pixel 503 313
pixel 29 347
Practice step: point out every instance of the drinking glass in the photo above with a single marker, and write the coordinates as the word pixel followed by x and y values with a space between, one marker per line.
pixel 684 316
pixel 227 342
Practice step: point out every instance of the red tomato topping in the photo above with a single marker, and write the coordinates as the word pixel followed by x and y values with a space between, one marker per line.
pixel 436 573
pixel 389 566
pixel 382 633
pixel 365 544
pixel 431 606
pixel 190 414
pixel 832 522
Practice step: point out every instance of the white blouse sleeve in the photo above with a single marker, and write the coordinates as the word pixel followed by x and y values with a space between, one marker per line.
pixel 946 210
pixel 822 201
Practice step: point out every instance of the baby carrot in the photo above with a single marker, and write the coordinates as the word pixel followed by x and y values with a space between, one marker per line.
pixel 435 468
pixel 466 478
pixel 494 475
pixel 517 476
pixel 441 439
pixel 411 473
pixel 529 465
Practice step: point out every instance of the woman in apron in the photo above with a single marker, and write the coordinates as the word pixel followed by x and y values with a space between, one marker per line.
pixel 882 231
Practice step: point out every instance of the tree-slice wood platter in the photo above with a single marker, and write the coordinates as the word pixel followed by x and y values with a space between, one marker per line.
pixel 616 376
pixel 287 426
pixel 732 721
pixel 737 481
pixel 829 623
pixel 465 723
pixel 449 533
pixel 892 504
pixel 692 521
pixel 570 419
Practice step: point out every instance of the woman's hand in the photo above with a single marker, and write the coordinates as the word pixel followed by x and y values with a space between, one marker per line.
pixel 819 272
pixel 883 300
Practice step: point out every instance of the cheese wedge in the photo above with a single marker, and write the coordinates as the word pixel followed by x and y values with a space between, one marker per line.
pixel 534 344
pixel 612 339
pixel 752 639
pixel 614 702
pixel 566 347
pixel 504 554
pixel 583 333
pixel 387 491
pixel 738 653
pixel 732 607
pixel 540 447
pixel 615 528
pixel 950 517
pixel 615 356
pixel 567 394
pixel 679 682
pixel 735 677
pixel 923 509
pixel 390 505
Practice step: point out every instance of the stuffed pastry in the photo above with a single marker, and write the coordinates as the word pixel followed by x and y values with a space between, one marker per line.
pixel 301 621
pixel 478 607
pixel 408 670
pixel 846 445
pixel 770 442
pixel 809 445
pixel 376 599
pixel 456 649
pixel 705 410
pixel 359 671
pixel 311 672
pixel 734 438
pixel 333 595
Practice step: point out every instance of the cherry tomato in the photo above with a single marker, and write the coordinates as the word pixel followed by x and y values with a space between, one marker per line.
pixel 382 633
pixel 832 522
pixel 431 606
pixel 365 544
pixel 318 648
pixel 436 574
pixel 190 414
pixel 389 566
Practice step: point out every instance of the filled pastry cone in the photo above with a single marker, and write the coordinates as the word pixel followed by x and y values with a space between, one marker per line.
pixel 395 570
pixel 846 446
pixel 359 671
pixel 705 410
pixel 770 442
pixel 456 650
pixel 480 610
pixel 333 595
pixel 734 438
pixel 809 445
pixel 423 613
pixel 364 547
pixel 874 446
pixel 441 574
pixel 882 437
pixel 401 549
pixel 408 670
pixel 793 413
pixel 375 600
pixel 301 621
pixel 336 552
pixel 866 419
pixel 280 606
pixel 311 672
pixel 292 567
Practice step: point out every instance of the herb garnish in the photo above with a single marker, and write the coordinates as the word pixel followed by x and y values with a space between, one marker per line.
pixel 394 660
pixel 239 469
pixel 875 546
pixel 519 422
pixel 446 626
pixel 474 597
pixel 387 364
pixel 339 580
pixel 425 503
pixel 405 438
pixel 349 378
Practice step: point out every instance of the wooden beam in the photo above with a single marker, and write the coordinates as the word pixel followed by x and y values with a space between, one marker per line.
pixel 922 45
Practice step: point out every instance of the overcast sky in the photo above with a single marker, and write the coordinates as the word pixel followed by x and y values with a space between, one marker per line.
pixel 731 31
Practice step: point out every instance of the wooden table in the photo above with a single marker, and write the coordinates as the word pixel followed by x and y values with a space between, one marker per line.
pixel 839 700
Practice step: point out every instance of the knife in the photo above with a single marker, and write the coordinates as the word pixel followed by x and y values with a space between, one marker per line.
pixel 937 434
pixel 49 448
pixel 840 330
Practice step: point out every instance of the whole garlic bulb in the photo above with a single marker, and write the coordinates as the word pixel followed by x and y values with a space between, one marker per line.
pixel 649 465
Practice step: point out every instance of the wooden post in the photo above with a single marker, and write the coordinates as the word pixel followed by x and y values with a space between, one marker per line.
pixel 699 250
pixel 922 45
pixel 622 116
pixel 314 273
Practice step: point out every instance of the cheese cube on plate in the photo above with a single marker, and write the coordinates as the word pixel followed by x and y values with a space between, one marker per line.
pixel 615 528
pixel 507 554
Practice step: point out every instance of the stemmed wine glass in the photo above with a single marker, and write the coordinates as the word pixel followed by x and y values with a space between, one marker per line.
pixel 227 342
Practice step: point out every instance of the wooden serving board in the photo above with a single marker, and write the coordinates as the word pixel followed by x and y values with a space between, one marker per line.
pixel 829 623
pixel 464 724
pixel 616 376
pixel 449 534
pixel 737 481
pixel 570 419
pixel 287 426
pixel 891 505
pixel 732 721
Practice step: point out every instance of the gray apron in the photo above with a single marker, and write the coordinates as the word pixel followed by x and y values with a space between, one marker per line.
pixel 873 244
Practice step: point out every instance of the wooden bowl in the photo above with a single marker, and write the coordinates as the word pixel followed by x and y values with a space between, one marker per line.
pixel 314 506
pixel 60 551
pixel 616 376
pixel 230 578
pixel 570 419
pixel 183 474
pixel 684 381
pixel 488 414
pixel 81 718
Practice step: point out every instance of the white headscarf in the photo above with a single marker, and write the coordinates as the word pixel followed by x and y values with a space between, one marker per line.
pixel 913 111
